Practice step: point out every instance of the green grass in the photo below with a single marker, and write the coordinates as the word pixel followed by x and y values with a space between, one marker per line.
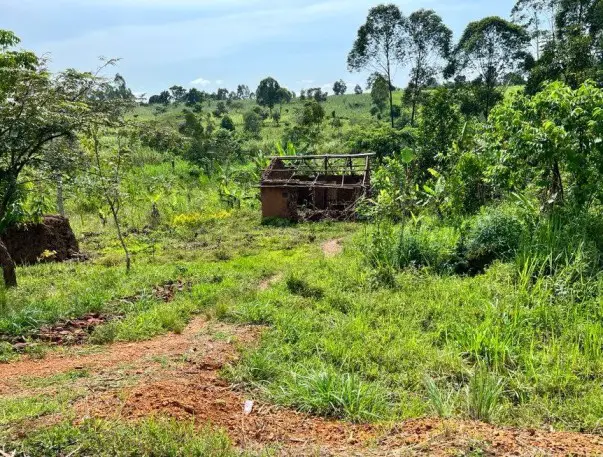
pixel 149 438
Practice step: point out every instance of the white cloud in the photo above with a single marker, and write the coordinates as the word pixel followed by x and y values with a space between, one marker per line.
pixel 219 81
pixel 200 82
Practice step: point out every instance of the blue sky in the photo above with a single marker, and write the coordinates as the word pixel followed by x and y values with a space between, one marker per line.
pixel 214 43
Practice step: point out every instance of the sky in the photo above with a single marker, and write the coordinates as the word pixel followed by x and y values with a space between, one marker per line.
pixel 214 43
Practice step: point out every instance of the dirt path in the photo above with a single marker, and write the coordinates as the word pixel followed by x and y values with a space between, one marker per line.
pixel 191 387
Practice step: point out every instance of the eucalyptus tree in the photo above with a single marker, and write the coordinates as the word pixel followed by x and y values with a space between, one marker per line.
pixel 379 45
pixel 490 48
pixel 36 109
pixel 427 40
pixel 538 17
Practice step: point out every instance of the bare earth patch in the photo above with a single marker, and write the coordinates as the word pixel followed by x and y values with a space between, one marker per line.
pixel 270 281
pixel 192 388
pixel 332 248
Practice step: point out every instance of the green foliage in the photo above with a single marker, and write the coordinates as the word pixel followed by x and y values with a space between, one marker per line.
pixel 439 128
pixel 252 123
pixel 490 47
pixel 268 93
pixel 227 124
pixel 312 114
pixel 559 132
pixel 380 93
pixel 333 394
pixel 378 44
pixel 426 40
pixel 494 235
pixel 340 87
pixel 483 396
pixel 383 141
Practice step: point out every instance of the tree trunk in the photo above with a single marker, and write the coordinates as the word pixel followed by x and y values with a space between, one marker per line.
pixel 60 197
pixel 120 235
pixel 414 110
pixel 391 98
pixel 8 267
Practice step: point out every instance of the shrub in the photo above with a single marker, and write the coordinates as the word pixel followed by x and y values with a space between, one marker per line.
pixel 227 123
pixel 493 236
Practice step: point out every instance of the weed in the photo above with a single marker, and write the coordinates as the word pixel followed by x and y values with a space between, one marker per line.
pixel 441 401
pixel 483 396
pixel 335 394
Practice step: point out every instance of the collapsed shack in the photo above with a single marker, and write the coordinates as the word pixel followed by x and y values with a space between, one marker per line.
pixel 50 240
pixel 315 187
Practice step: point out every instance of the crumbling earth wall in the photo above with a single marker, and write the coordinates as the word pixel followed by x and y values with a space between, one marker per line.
pixel 51 240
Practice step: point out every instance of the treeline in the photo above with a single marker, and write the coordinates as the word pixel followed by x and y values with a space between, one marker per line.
pixel 546 40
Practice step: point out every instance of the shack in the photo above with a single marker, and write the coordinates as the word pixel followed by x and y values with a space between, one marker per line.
pixel 315 187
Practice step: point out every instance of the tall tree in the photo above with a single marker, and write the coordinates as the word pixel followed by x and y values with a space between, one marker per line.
pixel 426 40
pixel 379 45
pixel 178 93
pixel 339 87
pixel 243 91
pixel 491 48
pixel 268 93
pixel 358 89
pixel 37 108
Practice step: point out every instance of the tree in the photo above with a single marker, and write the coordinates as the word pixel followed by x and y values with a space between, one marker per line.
pixel 358 89
pixel 439 127
pixel 222 94
pixel 252 123
pixel 573 51
pixel 426 39
pixel 37 108
pixel 317 94
pixel 551 140
pixel 491 48
pixel 193 97
pixel 163 98
pixel 178 93
pixel 380 93
pixel 268 93
pixel 284 96
pixel 243 92
pixel 312 114
pixel 379 45
pixel 107 165
pixel 339 87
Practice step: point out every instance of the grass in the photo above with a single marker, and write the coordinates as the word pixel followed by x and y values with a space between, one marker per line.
pixel 148 438
pixel 341 345
pixel 385 331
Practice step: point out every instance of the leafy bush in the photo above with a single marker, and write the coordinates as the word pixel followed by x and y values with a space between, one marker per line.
pixel 227 123
pixel 494 235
